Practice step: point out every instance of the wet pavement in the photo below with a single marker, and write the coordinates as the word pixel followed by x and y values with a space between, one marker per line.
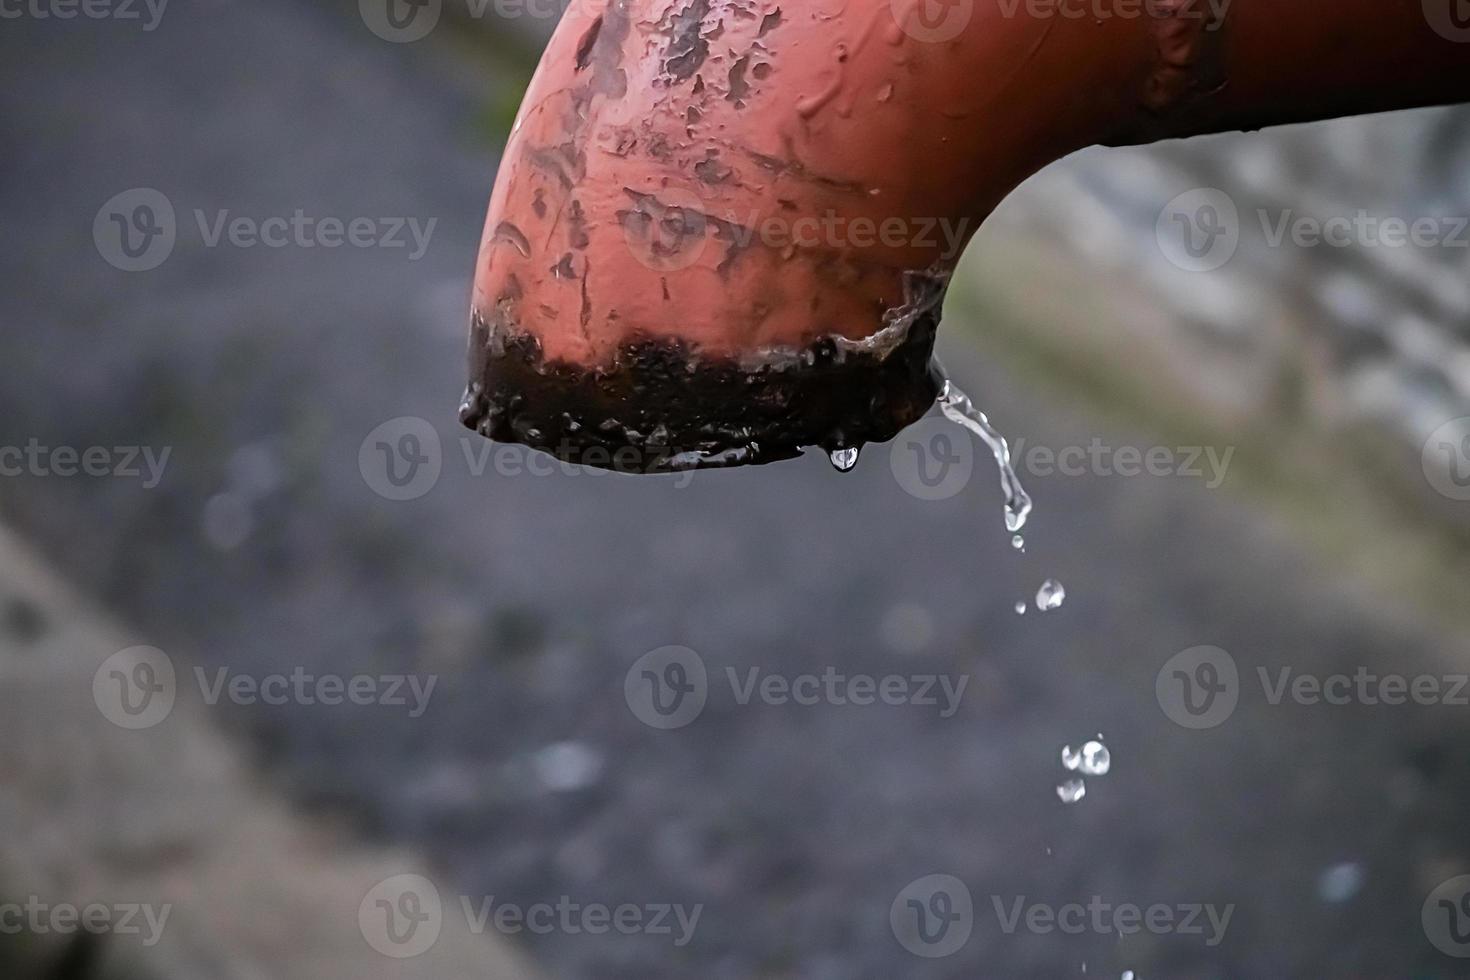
pixel 269 544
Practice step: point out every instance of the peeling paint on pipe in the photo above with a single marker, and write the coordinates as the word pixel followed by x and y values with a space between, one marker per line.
pixel 722 228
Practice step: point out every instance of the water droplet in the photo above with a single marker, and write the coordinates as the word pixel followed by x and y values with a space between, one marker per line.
pixel 1071 790
pixel 566 766
pixel 1340 882
pixel 1071 758
pixel 1018 542
pixel 956 406
pixel 1020 607
pixel 227 521
pixel 1050 595
pixel 1096 759
pixel 844 460
pixel 1127 975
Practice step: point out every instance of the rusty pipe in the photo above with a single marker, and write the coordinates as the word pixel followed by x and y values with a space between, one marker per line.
pixel 722 229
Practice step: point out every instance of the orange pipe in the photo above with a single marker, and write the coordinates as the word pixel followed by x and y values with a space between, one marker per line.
pixel 722 228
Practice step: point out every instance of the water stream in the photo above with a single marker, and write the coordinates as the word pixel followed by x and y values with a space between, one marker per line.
pixel 958 408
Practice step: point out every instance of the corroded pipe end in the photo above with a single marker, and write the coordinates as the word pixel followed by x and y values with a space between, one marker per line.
pixel 688 263
pixel 662 405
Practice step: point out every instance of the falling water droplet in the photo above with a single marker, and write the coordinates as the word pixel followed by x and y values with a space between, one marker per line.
pixel 565 766
pixel 1071 758
pixel 228 520
pixel 1127 975
pixel 1340 882
pixel 1018 542
pixel 1020 607
pixel 1071 790
pixel 1050 595
pixel 956 406
pixel 1096 759
pixel 844 460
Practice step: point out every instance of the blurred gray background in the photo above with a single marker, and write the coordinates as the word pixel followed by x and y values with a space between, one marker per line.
pixel 1336 539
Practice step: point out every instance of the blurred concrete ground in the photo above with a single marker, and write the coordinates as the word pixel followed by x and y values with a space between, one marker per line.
pixel 265 548
pixel 162 832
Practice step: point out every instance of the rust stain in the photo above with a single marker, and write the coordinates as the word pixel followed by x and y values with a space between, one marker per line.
pixel 688 47
pixel 790 166
pixel 739 87
pixel 710 170
pixel 513 236
pixel 584 46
